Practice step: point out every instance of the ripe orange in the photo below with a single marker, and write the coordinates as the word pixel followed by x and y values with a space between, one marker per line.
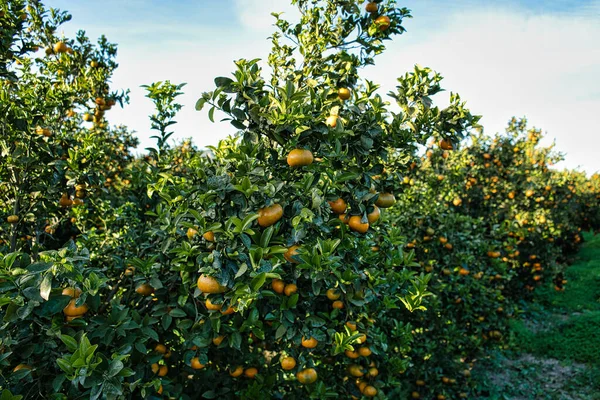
pixel 351 354
pixel 374 215
pixel 288 363
pixel 209 236
pixel 71 310
pixel 338 304
pixel 163 370
pixel 463 272
pixel 370 391
pixel 365 351
pixel 385 200
pixel 373 372
pixel 65 201
pixel 356 225
pixel 230 310
pixel 338 206
pixel 344 218
pixel 160 348
pixel 351 325
pixel 383 22
pixel 129 271
pixel 195 363
pixel 250 372
pixel 300 158
pixel 457 201
pixel 445 144
pixel 291 252
pixel 268 216
pixel 310 343
pixel 290 289
pixel 71 292
pixel 238 371
pixel 218 340
pixel 212 306
pixel 371 7
pixel 60 47
pixel 278 285
pixel 356 370
pixel 144 289
pixel 208 284
pixel 333 294
pixel 344 93
pixel 12 219
pixel 331 121
pixel 307 376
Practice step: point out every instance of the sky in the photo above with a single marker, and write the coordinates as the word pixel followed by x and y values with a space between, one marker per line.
pixel 538 59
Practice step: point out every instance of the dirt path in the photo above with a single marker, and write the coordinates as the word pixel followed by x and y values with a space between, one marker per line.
pixel 555 348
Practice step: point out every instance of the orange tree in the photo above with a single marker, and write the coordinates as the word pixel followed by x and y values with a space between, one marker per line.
pixel 262 272
pixel 57 151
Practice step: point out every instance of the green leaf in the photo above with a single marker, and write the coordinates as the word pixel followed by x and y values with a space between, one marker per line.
pixel 70 342
pixel 258 281
pixel 46 286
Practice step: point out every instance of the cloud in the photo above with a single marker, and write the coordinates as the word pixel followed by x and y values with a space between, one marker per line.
pixel 509 62
pixel 505 60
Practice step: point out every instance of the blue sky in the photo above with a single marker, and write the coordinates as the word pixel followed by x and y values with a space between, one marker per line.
pixel 534 58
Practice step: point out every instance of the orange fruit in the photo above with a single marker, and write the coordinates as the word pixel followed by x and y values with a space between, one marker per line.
pixel 12 219
pixel 160 348
pixel 230 310
pixel 208 284
pixel 209 236
pixel 370 391
pixel 218 340
pixel 163 370
pixel 445 144
pixel 373 372
pixel 351 325
pixel 463 271
pixel 250 372
pixel 211 306
pixel 291 252
pixel 71 292
pixel 352 354
pixel 338 304
pixel 338 206
pixel 129 271
pixel 344 93
pixel 160 390
pixel 71 310
pixel 344 218
pixel 371 7
pixel 268 216
pixel 365 351
pixel 191 232
pixel 238 371
pixel 144 289
pixel 60 47
pixel 195 363
pixel 385 200
pixel 310 343
pixel 333 294
pixel 278 285
pixel 374 215
pixel 307 376
pixel 331 121
pixel 288 363
pixel 356 225
pixel 383 22
pixel 300 158
pixel 356 370
pixel 290 289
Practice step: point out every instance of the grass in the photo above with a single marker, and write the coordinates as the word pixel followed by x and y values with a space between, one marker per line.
pixel 555 348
